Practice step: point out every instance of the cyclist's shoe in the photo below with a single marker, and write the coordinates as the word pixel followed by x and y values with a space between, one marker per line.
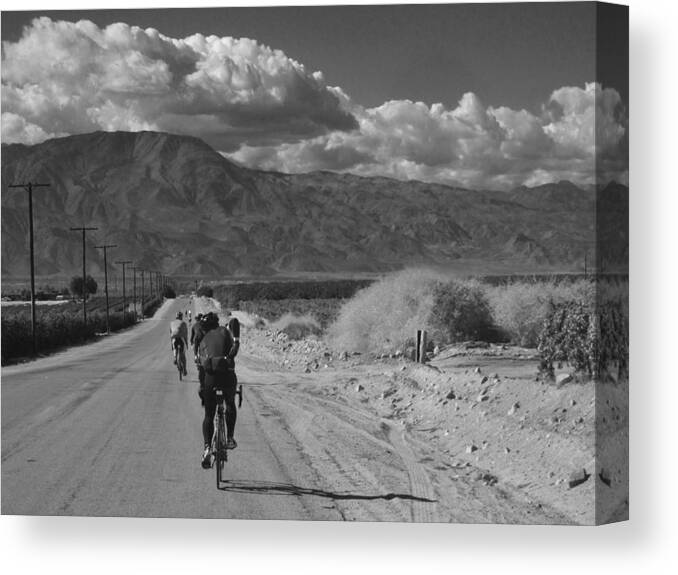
pixel 231 443
pixel 207 458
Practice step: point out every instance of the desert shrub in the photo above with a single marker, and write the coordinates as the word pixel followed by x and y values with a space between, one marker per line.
pixel 460 311
pixel 520 308
pixel 168 292
pixel 296 331
pixel 592 338
pixel 323 311
pixel 385 316
pixel 205 291
pixel 297 327
pixel 231 295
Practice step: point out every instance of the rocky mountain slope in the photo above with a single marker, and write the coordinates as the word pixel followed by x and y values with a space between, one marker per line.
pixel 172 203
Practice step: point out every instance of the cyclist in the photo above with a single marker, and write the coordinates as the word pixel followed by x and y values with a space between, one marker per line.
pixel 217 350
pixel 189 316
pixel 195 327
pixel 179 338
pixel 198 330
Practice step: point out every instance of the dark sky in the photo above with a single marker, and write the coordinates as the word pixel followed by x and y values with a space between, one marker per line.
pixel 508 54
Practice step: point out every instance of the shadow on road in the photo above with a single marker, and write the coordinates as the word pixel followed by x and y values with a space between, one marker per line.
pixel 271 488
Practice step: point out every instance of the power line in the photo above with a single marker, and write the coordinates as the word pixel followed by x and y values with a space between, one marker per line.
pixel 29 188
pixel 84 272
pixel 124 297
pixel 105 248
pixel 134 269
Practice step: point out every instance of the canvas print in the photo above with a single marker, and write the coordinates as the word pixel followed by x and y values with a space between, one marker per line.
pixel 343 263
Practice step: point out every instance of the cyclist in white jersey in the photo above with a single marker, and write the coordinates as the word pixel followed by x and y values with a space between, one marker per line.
pixel 179 338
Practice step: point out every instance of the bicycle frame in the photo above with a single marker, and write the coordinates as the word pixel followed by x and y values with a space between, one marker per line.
pixel 180 358
pixel 219 451
pixel 219 436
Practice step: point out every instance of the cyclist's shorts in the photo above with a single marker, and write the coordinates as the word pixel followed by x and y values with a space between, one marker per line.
pixel 178 343
pixel 225 381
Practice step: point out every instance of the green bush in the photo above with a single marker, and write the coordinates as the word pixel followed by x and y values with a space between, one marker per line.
pixel 519 309
pixel 168 292
pixel 593 339
pixel 205 291
pixel 460 311
pixel 77 283
pixel 324 311
pixel 385 316
pixel 231 295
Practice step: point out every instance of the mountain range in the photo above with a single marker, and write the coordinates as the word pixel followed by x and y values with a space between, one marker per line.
pixel 174 204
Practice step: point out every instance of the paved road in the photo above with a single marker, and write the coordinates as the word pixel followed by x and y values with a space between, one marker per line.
pixel 108 430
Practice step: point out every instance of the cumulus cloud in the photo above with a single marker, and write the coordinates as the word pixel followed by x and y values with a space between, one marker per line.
pixel 16 129
pixel 265 110
pixel 65 77
pixel 580 132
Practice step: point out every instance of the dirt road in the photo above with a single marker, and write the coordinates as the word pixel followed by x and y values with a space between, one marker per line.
pixel 109 430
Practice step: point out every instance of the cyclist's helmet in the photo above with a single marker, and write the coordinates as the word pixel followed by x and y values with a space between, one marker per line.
pixel 210 319
pixel 180 315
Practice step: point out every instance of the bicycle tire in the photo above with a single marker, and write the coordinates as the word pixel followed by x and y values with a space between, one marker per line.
pixel 180 366
pixel 221 454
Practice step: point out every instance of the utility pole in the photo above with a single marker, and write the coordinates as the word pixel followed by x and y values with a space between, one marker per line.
pixel 142 294
pixel 124 299
pixel 105 248
pixel 29 188
pixel 84 272
pixel 134 269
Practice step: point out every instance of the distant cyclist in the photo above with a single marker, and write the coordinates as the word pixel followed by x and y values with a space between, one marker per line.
pixel 189 316
pixel 179 338
pixel 195 327
pixel 198 330
pixel 217 350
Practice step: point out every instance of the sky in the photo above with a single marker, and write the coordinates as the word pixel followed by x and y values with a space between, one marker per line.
pixel 478 95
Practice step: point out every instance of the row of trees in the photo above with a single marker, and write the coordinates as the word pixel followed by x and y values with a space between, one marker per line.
pixel 49 292
pixel 74 288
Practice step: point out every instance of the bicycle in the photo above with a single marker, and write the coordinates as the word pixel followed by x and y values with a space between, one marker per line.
pixel 219 451
pixel 181 364
pixel 180 359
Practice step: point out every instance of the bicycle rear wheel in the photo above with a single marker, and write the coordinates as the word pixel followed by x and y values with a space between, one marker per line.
pixel 181 365
pixel 221 454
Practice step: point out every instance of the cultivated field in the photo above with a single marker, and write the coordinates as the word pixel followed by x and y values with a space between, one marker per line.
pixel 62 325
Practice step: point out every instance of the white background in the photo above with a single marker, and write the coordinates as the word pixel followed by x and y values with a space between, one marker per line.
pixel 648 543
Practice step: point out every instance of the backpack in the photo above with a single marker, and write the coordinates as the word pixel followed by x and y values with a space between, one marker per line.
pixel 214 345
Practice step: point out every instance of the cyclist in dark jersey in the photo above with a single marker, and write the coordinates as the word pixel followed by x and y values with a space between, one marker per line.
pixel 198 330
pixel 221 346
